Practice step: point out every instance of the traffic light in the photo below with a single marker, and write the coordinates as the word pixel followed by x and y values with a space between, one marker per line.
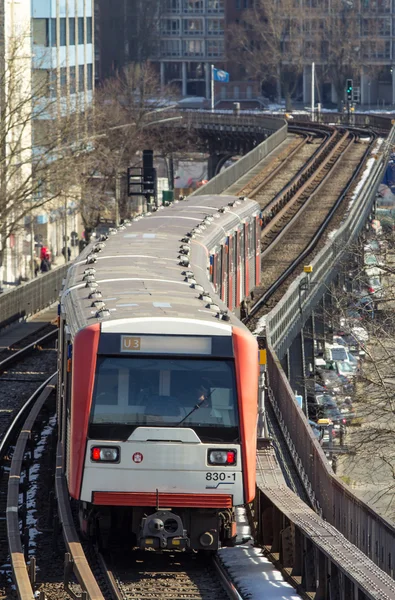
pixel 349 89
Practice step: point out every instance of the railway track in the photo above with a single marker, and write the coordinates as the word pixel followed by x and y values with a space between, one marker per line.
pixel 168 576
pixel 21 370
pixel 302 217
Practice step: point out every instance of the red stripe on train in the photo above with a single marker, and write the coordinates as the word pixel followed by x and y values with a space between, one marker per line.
pixel 165 499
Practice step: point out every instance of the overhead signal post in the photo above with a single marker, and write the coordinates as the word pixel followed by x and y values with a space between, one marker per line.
pixel 349 95
pixel 142 180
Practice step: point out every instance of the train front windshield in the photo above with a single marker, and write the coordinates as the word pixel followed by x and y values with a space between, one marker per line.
pixel 164 392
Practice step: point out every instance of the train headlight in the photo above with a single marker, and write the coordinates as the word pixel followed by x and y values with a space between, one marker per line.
pixel 104 454
pixel 222 457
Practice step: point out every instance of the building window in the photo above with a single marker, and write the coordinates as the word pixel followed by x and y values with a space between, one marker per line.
pixel 215 6
pixel 89 77
pixel 170 48
pixel 215 26
pixel 376 27
pixel 63 80
pixel 40 83
pixel 376 49
pixel 80 30
pixel 62 41
pixel 215 48
pixel 172 6
pixel 54 36
pixel 193 48
pixel 193 6
pixel 72 31
pixel 170 27
pixel 81 76
pixel 193 27
pixel 89 30
pixel 40 32
pixel 72 80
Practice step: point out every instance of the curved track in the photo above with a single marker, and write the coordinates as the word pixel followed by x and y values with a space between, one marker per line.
pixel 20 373
pixel 289 236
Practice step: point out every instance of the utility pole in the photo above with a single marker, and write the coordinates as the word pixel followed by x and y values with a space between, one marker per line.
pixel 117 197
pixel 312 90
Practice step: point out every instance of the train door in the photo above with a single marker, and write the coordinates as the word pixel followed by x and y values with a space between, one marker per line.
pixel 241 269
pixel 257 250
pixel 231 257
pixel 218 272
pixel 64 415
pixel 224 261
pixel 246 260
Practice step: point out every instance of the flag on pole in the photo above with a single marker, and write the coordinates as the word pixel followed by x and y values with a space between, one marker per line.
pixel 219 75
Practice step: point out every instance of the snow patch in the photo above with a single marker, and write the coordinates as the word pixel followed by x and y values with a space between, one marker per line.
pixel 254 575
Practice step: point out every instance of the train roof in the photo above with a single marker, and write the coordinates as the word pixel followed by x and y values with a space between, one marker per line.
pixel 141 273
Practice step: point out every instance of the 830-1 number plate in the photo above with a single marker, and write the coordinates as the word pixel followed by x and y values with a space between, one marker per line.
pixel 220 476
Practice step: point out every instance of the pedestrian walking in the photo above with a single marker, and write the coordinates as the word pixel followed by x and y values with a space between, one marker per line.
pixel 45 264
pixel 36 266
pixel 68 250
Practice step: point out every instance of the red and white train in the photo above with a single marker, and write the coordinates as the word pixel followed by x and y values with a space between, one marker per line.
pixel 158 382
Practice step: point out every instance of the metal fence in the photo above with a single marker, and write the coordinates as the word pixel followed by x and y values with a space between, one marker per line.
pixel 383 123
pixel 355 519
pixel 233 173
pixel 287 317
pixel 358 521
pixel 30 297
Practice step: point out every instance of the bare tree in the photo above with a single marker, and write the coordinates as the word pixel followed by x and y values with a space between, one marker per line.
pixel 125 112
pixel 268 43
pixel 370 440
pixel 34 168
pixel 333 41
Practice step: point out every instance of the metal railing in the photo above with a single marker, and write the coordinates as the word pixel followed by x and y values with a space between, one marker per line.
pixel 28 298
pixel 292 310
pixel 33 296
pixel 355 519
pixel 233 173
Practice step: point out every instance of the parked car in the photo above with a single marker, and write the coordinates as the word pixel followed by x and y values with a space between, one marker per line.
pixel 326 427
pixel 374 286
pixel 354 362
pixel 333 382
pixel 343 367
pixel 316 404
pixel 335 352
pixel 370 260
pixel 354 345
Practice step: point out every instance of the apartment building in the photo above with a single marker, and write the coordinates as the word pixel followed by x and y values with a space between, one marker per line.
pixel 62 38
pixel 192 37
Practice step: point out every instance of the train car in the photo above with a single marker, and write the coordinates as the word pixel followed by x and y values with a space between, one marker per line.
pixel 158 379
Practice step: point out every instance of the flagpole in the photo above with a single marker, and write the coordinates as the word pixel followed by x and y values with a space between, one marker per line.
pixel 212 88
pixel 312 90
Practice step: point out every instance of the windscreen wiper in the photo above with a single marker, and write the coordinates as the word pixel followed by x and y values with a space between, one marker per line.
pixel 196 407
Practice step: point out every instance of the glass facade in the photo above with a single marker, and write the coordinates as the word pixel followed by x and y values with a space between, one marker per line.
pixel 64 29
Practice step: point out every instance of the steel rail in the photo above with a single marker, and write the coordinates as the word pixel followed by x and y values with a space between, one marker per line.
pixel 216 563
pixel 324 130
pixel 306 139
pixel 313 242
pixel 267 230
pixel 224 576
pixel 34 404
pixel 277 209
pixel 10 360
pixel 76 560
